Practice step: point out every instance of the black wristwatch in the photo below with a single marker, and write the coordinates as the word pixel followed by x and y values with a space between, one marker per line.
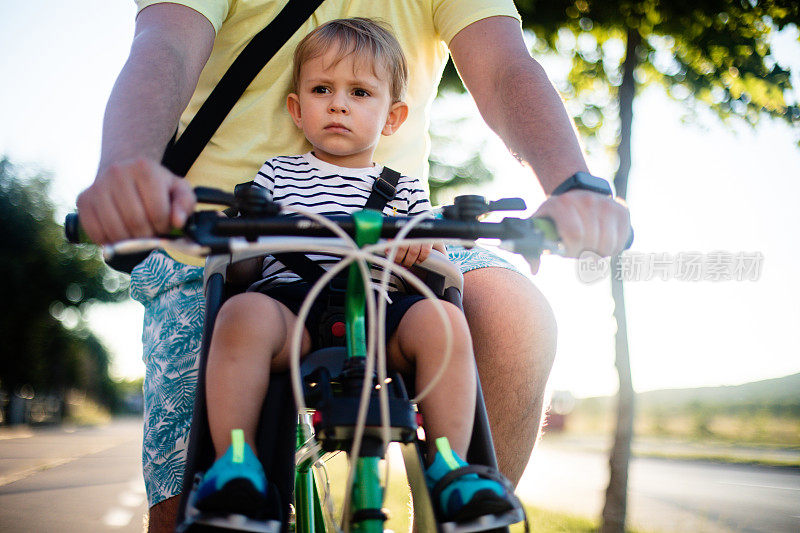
pixel 586 182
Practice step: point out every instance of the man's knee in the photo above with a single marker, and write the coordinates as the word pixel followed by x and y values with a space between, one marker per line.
pixel 509 316
pixel 162 516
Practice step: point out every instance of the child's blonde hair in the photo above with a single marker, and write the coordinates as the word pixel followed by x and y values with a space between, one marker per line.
pixel 364 38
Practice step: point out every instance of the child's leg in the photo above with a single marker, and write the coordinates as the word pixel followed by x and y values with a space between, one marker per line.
pixel 251 338
pixel 418 344
pixel 449 409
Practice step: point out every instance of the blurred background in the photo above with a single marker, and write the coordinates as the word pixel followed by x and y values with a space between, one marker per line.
pixel 711 284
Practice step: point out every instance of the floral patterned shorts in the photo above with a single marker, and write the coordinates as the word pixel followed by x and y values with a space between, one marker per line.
pixel 172 294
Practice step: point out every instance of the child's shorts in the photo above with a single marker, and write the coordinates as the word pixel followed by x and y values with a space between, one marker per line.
pixel 293 295
pixel 172 294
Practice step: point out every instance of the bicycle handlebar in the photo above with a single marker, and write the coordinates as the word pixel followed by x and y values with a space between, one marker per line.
pixel 528 237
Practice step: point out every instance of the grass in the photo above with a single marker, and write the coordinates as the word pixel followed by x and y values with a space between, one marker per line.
pixel 760 430
pixel 544 521
pixel 755 439
pixel 725 458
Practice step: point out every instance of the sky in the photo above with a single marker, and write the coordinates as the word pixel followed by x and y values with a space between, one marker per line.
pixel 704 190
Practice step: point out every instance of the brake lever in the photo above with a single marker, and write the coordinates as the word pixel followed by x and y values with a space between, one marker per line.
pixel 471 206
pixel 507 204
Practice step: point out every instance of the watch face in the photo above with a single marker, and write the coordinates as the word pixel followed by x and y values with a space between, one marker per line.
pixel 592 183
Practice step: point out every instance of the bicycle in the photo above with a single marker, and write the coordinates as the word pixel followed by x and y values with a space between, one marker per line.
pixel 358 406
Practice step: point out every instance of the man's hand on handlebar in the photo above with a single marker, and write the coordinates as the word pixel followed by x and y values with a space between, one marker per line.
pixel 132 199
pixel 589 221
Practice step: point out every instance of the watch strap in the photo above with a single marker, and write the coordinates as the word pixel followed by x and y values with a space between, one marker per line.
pixel 584 181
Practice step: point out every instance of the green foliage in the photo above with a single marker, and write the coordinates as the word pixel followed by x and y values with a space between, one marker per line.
pixel 47 285
pixel 447 176
pixel 713 54
pixel 455 160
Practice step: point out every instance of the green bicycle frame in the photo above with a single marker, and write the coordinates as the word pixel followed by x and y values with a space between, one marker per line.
pixel 367 491
pixel 308 507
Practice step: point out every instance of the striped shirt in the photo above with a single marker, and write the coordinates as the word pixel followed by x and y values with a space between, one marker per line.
pixel 308 182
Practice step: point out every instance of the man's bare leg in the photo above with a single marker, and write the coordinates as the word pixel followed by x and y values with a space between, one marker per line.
pixel 162 515
pixel 514 336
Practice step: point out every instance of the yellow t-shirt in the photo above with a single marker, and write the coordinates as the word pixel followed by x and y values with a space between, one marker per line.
pixel 259 126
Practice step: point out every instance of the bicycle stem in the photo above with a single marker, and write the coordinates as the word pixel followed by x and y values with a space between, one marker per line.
pixel 368 225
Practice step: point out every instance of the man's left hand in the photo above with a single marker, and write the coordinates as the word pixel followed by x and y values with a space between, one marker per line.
pixel 587 220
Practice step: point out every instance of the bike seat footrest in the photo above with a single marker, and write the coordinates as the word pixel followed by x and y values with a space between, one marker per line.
pixel 197 521
pixel 485 523
pixel 203 523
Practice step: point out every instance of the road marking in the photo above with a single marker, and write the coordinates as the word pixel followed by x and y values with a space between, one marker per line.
pixel 131 499
pixel 117 517
pixel 22 474
pixel 757 486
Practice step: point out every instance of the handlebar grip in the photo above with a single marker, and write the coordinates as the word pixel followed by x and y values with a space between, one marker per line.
pixel 547 227
pixel 209 195
pixel 73 230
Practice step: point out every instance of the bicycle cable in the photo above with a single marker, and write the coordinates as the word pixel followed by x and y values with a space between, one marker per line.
pixel 373 356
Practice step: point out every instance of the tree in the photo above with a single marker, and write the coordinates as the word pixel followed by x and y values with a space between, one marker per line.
pixel 712 54
pixel 47 285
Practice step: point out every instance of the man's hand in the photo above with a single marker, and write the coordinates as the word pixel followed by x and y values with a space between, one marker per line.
pixel 586 220
pixel 133 195
pixel 134 198
pixel 519 103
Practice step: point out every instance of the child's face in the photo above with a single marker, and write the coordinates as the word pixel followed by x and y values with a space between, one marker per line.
pixel 343 109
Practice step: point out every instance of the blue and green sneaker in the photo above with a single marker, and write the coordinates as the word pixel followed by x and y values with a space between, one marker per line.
pixel 463 492
pixel 235 483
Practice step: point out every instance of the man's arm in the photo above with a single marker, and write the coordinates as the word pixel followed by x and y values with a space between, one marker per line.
pixel 518 102
pixel 133 195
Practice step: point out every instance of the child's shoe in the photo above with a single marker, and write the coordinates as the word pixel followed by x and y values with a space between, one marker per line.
pixel 460 493
pixel 235 483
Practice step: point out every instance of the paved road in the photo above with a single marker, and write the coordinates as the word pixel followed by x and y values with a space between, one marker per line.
pixel 72 480
pixel 668 495
pixel 87 480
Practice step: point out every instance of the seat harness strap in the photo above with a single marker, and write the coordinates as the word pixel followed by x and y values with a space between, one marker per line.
pixel 383 192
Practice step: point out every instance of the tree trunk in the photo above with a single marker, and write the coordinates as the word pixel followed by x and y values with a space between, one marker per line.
pixel 615 507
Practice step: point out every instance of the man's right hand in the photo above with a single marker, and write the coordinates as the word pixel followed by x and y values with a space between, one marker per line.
pixel 134 198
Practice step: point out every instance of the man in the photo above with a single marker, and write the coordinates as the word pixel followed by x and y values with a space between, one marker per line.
pixel 179 51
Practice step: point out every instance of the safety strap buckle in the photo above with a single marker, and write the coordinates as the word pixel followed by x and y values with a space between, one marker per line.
pixel 384 188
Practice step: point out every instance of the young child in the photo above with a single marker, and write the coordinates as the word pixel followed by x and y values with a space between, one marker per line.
pixel 349 80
